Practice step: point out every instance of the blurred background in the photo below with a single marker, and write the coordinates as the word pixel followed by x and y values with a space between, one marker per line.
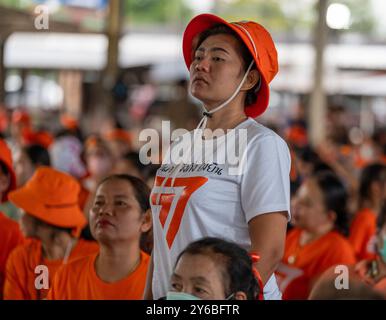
pixel 97 66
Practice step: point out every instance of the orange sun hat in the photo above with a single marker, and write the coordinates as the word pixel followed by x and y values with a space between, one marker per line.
pixel 255 37
pixel 6 159
pixel 51 196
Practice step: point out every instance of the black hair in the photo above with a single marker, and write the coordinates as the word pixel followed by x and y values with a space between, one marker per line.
pixel 370 174
pixel 246 55
pixel 237 265
pixel 335 198
pixel 133 158
pixel 4 168
pixel 381 220
pixel 141 190
pixel 38 155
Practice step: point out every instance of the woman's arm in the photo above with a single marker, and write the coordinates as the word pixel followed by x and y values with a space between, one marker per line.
pixel 148 294
pixel 268 232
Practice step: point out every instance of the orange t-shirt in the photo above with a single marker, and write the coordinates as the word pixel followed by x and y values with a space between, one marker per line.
pixel 301 266
pixel 363 231
pixel 79 281
pixel 10 237
pixel 20 273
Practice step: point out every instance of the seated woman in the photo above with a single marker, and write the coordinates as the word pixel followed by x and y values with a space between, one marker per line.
pixel 364 225
pixel 118 217
pixel 213 269
pixel 316 242
pixel 52 219
pixel 373 271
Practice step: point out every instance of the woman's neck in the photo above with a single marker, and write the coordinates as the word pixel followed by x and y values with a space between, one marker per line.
pixel 115 262
pixel 308 236
pixel 58 248
pixel 228 117
pixel 373 205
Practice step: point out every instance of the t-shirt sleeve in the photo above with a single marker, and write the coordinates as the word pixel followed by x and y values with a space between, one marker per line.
pixel 13 286
pixel 265 180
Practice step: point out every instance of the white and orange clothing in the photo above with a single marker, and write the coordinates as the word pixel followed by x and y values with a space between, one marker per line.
pixel 20 273
pixel 10 238
pixel 302 265
pixel 78 280
pixel 210 199
pixel 363 234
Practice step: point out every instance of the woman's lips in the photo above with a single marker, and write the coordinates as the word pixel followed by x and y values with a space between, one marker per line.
pixel 104 223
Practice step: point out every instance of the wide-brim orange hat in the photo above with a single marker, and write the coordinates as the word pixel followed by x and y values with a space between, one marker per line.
pixel 258 41
pixel 53 197
pixel 6 159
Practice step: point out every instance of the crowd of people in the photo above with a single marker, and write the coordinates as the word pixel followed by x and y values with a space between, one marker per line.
pixel 83 218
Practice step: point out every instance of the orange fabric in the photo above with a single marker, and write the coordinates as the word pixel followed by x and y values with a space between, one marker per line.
pixel 6 158
pixel 20 269
pixel 10 238
pixel 43 138
pixel 69 122
pixel 311 260
pixel 79 281
pixel 21 117
pixel 265 58
pixel 119 134
pixel 362 234
pixel 58 195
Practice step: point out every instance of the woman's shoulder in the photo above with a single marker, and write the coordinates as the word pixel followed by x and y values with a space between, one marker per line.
pixel 260 133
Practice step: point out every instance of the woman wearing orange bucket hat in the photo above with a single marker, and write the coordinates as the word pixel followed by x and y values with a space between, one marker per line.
pixel 10 235
pixel 53 221
pixel 231 65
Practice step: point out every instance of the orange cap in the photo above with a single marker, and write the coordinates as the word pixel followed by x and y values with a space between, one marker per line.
pixel 19 116
pixel 6 158
pixel 258 41
pixel 119 134
pixel 51 196
pixel 69 122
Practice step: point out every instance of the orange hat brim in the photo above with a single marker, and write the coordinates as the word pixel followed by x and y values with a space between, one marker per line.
pixel 60 216
pixel 205 21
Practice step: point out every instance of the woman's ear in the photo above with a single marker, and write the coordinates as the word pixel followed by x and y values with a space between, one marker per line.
pixel 332 216
pixel 252 79
pixel 239 295
pixel 147 221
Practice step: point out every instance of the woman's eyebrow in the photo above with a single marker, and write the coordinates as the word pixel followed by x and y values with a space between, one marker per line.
pixel 214 49
pixel 199 279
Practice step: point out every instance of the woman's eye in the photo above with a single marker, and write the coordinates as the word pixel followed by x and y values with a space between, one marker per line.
pixel 120 203
pixel 197 58
pixel 176 286
pixel 217 59
pixel 200 290
pixel 98 204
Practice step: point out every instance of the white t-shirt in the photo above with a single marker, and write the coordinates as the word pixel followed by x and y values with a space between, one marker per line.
pixel 211 200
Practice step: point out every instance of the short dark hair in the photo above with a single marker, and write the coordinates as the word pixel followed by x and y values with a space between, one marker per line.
pixel 335 197
pixel 237 264
pixel 38 155
pixel 370 174
pixel 251 95
pixel 141 190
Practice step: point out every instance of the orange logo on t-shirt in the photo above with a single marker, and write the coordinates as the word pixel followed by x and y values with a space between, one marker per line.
pixel 189 186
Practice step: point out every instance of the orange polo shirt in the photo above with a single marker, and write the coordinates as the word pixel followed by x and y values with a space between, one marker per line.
pixel 302 265
pixel 10 238
pixel 363 231
pixel 79 281
pixel 20 273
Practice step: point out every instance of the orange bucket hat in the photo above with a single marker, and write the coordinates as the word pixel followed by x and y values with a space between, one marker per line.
pixel 51 196
pixel 6 159
pixel 258 41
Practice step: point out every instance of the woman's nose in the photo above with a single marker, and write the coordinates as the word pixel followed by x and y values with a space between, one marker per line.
pixel 203 65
